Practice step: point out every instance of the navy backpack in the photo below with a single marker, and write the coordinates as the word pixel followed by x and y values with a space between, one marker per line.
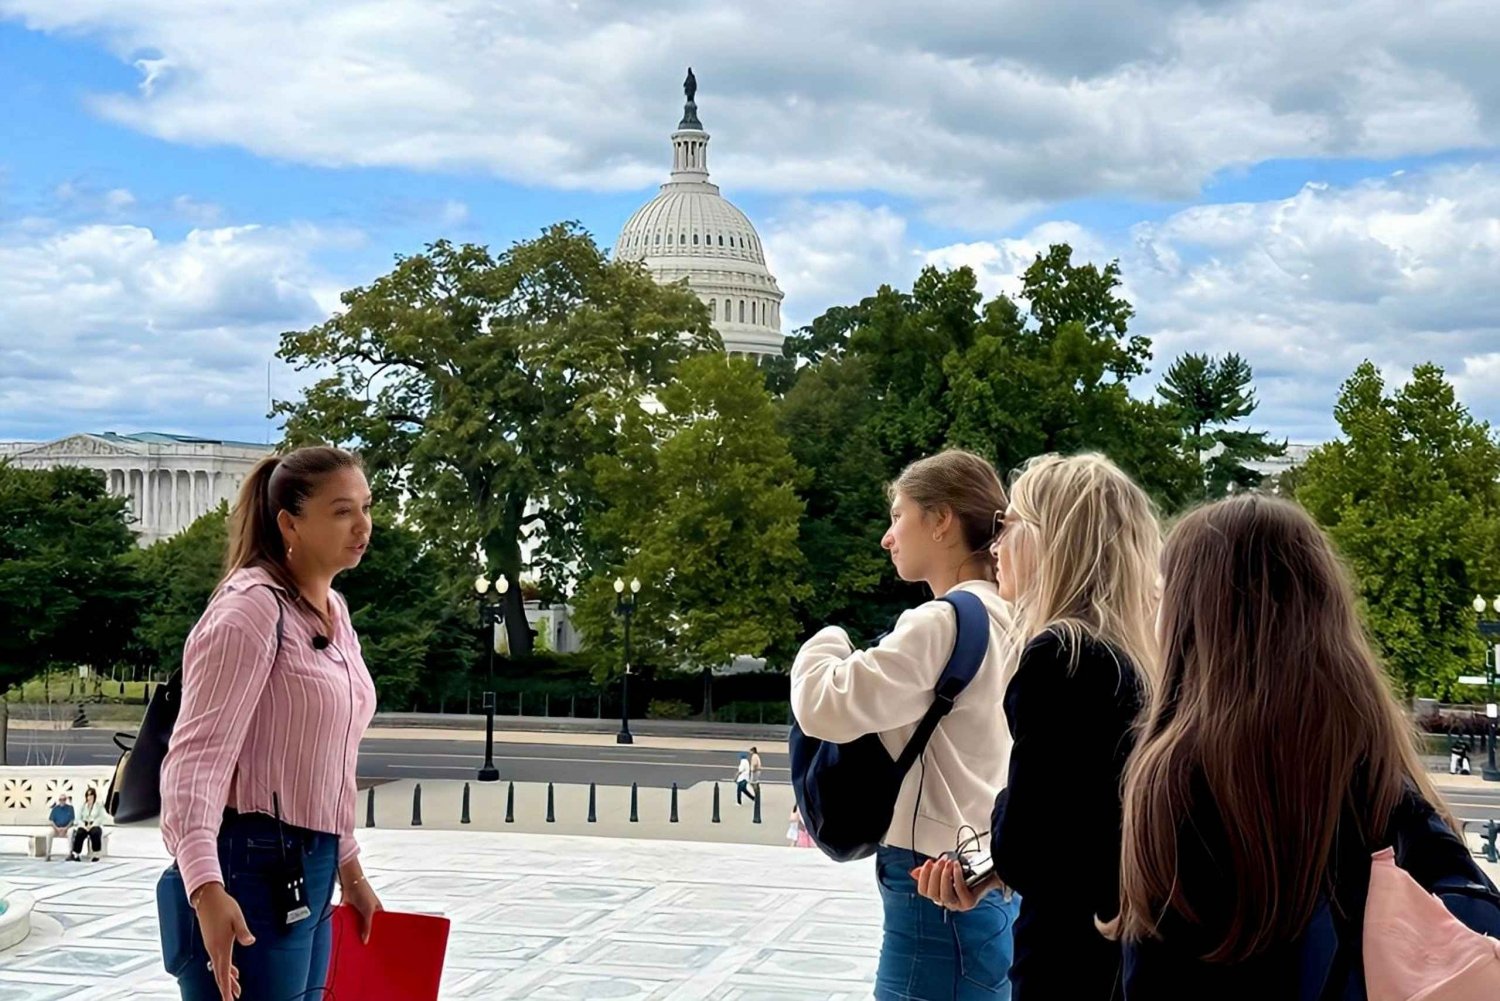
pixel 847 793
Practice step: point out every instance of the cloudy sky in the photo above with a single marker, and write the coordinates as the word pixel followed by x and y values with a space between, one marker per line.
pixel 1308 183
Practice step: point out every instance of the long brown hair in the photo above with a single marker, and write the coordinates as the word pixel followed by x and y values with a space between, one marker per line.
pixel 277 483
pixel 1272 700
pixel 966 485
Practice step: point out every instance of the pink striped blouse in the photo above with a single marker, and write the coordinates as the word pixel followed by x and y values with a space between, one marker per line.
pixel 248 728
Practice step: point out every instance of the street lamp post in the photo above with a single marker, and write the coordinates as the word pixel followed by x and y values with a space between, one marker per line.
pixel 491 613
pixel 1490 630
pixel 625 609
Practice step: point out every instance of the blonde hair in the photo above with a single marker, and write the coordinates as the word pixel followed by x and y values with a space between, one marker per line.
pixel 1096 541
pixel 964 484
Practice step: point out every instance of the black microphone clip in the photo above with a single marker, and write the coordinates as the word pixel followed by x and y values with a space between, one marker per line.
pixel 320 642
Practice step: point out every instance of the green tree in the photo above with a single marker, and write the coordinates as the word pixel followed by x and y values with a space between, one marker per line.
pixel 409 602
pixel 827 420
pixel 1055 376
pixel 476 388
pixel 1209 396
pixel 1410 495
pixel 700 503
pixel 902 375
pixel 177 576
pixel 65 597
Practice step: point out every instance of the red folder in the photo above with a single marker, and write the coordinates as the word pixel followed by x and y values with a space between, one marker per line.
pixel 402 962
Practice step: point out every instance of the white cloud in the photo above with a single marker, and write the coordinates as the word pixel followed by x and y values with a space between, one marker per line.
pixel 118 199
pixel 828 253
pixel 454 212
pixel 1399 271
pixel 109 325
pixel 196 211
pixel 973 109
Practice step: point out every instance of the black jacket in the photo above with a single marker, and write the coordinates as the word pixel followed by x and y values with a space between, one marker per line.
pixel 1055 832
pixel 1325 963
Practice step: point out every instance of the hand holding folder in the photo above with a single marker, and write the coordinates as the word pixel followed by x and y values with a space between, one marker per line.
pixel 402 962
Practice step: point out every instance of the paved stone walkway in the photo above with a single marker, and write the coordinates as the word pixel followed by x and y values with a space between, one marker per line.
pixel 543 917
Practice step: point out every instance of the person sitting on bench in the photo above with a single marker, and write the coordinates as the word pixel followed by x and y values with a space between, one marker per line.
pixel 61 817
pixel 90 828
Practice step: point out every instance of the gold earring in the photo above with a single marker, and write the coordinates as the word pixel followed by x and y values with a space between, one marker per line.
pixel 288 552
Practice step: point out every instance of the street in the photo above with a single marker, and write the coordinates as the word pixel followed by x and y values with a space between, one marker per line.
pixel 440 758
pixel 610 765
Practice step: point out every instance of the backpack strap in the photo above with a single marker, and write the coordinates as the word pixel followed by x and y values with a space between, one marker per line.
pixel 969 648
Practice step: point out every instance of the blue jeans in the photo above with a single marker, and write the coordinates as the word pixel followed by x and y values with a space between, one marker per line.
pixel 284 964
pixel 931 954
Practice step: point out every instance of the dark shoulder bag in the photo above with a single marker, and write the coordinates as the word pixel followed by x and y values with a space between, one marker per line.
pixel 847 793
pixel 135 791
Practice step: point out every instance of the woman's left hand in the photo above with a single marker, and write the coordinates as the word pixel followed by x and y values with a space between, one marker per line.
pixel 942 882
pixel 362 898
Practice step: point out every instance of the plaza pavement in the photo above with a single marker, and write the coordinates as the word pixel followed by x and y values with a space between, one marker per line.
pixel 543 917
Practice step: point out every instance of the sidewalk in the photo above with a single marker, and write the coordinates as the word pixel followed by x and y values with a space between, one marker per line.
pixel 540 918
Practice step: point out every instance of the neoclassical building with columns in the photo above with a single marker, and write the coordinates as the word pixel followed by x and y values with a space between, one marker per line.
pixel 170 479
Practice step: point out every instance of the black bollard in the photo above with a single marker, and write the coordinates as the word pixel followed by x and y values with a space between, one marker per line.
pixel 593 815
pixel 756 818
pixel 551 813
pixel 370 809
pixel 716 803
pixel 464 817
pixel 510 804
pixel 673 818
pixel 635 813
pixel 416 806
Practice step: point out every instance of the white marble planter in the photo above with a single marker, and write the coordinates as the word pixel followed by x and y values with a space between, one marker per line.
pixel 15 922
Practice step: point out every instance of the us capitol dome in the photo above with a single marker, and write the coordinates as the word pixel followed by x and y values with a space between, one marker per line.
pixel 690 231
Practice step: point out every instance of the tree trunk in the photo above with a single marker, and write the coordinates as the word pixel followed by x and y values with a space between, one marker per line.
pixel 504 547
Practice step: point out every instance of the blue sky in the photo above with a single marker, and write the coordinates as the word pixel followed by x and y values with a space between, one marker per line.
pixel 1308 184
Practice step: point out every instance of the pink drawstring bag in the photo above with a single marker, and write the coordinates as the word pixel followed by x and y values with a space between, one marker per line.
pixel 1415 950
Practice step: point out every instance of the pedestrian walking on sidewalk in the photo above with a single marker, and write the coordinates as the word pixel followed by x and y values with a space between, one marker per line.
pixel 257 789
pixel 755 769
pixel 796 830
pixel 742 781
pixel 1458 757
pixel 944 513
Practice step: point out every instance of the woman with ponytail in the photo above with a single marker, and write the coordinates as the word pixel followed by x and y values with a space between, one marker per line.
pixel 258 788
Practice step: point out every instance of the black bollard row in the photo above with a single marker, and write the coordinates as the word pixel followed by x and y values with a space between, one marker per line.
pixel 635 812
pixel 551 812
pixel 510 804
pixel 464 816
pixel 593 814
pixel 416 806
pixel 673 818
pixel 716 803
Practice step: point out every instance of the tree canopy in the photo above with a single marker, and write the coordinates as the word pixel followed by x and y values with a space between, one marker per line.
pixel 1411 495
pixel 478 386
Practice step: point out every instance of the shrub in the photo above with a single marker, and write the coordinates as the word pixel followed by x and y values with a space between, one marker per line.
pixel 668 709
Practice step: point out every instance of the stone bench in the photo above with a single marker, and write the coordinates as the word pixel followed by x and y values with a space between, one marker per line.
pixel 28 794
pixel 40 838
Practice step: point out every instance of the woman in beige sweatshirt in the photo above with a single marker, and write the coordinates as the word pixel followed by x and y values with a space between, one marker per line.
pixel 944 513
